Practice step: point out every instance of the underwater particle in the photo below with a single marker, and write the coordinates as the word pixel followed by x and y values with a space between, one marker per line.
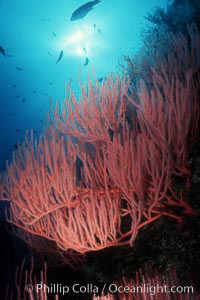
pixel 2 51
pixel 19 69
pixel 83 10
pixel 60 56
pixel 86 62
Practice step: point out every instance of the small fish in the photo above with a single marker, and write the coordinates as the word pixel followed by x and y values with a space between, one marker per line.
pixel 86 62
pixel 54 34
pixel 14 85
pixel 34 92
pixel 101 79
pixel 20 69
pixel 84 49
pixel 23 100
pixel 45 94
pixel 83 10
pixel 99 30
pixel 60 56
pixel 35 132
pixel 94 25
pixel 50 83
pixel 39 110
pixel 49 53
pixel 2 51
pixel 17 96
pixel 41 121
pixel 17 130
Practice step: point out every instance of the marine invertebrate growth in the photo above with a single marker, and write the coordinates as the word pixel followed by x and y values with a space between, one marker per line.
pixel 105 167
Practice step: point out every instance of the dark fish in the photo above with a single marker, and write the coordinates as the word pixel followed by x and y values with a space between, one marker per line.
pixel 99 30
pixel 17 130
pixel 95 25
pixel 54 34
pixel 45 94
pixel 83 10
pixel 60 56
pixel 14 85
pixel 50 83
pixel 86 62
pixel 20 69
pixel 49 53
pixel 35 132
pixel 84 49
pixel 2 51
pixel 34 92
pixel 23 100
pixel 16 146
pixel 101 79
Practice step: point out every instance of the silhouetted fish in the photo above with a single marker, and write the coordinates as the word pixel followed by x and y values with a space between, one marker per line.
pixel 101 79
pixel 60 56
pixel 20 69
pixel 54 34
pixel 83 10
pixel 2 51
pixel 86 62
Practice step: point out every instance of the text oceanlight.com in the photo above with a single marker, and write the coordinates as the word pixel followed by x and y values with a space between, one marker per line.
pixel 57 288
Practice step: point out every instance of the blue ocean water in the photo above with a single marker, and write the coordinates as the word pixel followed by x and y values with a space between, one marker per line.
pixel 33 34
